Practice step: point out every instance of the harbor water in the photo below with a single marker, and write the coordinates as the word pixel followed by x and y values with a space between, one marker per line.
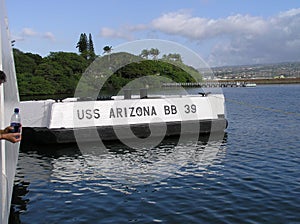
pixel 250 174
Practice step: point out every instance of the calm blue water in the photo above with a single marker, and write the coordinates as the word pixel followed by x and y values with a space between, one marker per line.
pixel 249 176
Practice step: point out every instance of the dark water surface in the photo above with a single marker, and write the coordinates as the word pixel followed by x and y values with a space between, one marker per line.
pixel 250 175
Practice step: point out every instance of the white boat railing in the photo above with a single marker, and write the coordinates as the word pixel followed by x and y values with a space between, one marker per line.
pixel 9 98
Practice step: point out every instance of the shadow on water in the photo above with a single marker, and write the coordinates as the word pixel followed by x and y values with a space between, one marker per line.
pixel 19 202
pixel 119 164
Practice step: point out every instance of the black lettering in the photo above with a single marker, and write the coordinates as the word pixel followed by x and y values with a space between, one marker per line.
pixel 167 110
pixel 134 111
pixel 193 108
pixel 173 109
pixel 112 113
pixel 146 111
pixel 125 111
pixel 88 113
pixel 139 111
pixel 190 108
pixel 96 113
pixel 153 112
pixel 131 111
pixel 187 109
pixel 170 109
pixel 119 112
pixel 80 115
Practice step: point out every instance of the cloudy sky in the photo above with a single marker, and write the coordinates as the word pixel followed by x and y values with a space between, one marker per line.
pixel 230 32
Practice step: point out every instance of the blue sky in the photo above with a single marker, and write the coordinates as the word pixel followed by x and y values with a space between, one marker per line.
pixel 222 32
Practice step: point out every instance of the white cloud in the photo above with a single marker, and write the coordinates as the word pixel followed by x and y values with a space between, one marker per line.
pixel 241 39
pixel 289 13
pixel 279 41
pixel 237 39
pixel 139 27
pixel 198 28
pixel 124 32
pixel 49 36
pixel 28 32
pixel 118 34
pixel 18 38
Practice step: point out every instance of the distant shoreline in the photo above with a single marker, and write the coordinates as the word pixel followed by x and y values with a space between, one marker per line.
pixel 256 81
pixel 264 81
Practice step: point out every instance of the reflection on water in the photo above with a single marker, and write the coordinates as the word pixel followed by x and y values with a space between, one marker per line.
pixel 125 165
pixel 119 168
pixel 19 202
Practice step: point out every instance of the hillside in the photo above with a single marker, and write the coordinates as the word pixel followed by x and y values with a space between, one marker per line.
pixel 59 72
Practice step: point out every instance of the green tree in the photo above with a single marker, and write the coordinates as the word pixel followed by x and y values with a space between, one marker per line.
pixel 26 62
pixel 145 53
pixel 63 70
pixel 59 72
pixel 91 50
pixel 34 85
pixel 69 60
pixel 82 45
pixel 172 57
pixel 154 52
pixel 156 68
pixel 107 49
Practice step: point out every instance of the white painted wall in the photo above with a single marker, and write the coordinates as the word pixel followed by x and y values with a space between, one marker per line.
pixel 52 114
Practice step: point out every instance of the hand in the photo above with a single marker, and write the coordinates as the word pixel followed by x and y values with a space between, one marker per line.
pixel 7 130
pixel 12 137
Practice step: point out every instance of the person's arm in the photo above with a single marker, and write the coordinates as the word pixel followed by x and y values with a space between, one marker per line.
pixel 12 137
pixel 6 130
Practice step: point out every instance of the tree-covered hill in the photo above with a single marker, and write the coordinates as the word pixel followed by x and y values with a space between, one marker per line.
pixel 59 72
pixel 158 68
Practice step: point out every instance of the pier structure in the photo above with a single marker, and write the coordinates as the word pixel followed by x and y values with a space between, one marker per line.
pixel 223 83
pixel 206 84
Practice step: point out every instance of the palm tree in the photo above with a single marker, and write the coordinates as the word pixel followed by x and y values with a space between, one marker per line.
pixel 107 49
pixel 145 53
pixel 154 52
pixel 175 57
